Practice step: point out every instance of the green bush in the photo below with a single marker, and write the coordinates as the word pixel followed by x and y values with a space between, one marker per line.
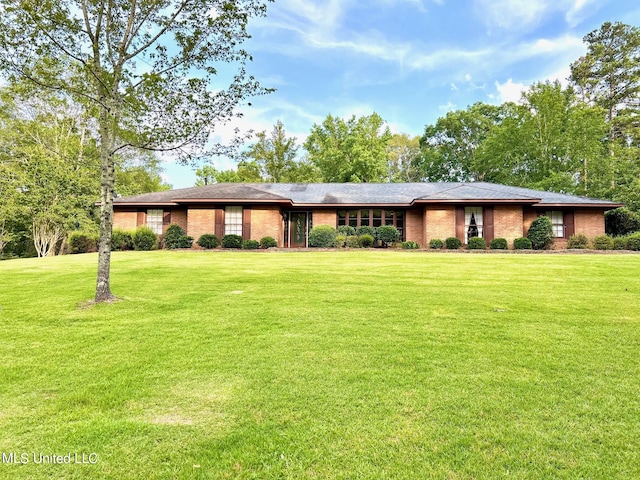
pixel 144 239
pixel 251 244
pixel 541 233
pixel 175 237
pixel 340 240
pixel 83 242
pixel 388 234
pixel 322 236
pixel 603 242
pixel 366 230
pixel 352 241
pixel 411 245
pixel 208 241
pixel 452 243
pixel 633 242
pixel 232 241
pixel 477 243
pixel 268 242
pixel 346 230
pixel 621 221
pixel 121 240
pixel 366 241
pixel 522 243
pixel 578 241
pixel 499 244
pixel 620 243
pixel 436 244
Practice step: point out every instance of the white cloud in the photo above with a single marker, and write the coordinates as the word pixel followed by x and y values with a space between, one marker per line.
pixel 511 14
pixel 509 91
pixel 447 107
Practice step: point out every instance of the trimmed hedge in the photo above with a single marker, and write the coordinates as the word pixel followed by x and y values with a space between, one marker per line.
pixel 232 241
pixel 436 244
pixel 83 242
pixel 340 240
pixel 477 243
pixel 541 233
pixel 499 244
pixel 145 239
pixel 452 243
pixel 121 240
pixel 620 243
pixel 268 242
pixel 366 241
pixel 322 236
pixel 251 244
pixel 352 241
pixel 346 230
pixel 578 241
pixel 366 230
pixel 603 242
pixel 633 242
pixel 208 241
pixel 522 243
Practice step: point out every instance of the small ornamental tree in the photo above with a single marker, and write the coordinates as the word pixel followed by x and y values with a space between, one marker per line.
pixel 172 237
pixel 541 233
pixel 388 234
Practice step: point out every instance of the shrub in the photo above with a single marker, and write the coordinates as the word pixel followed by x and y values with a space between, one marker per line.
pixel 436 243
pixel 366 230
pixel 621 221
pixel 388 234
pixel 620 243
pixel 82 242
pixel 346 230
pixel 499 244
pixel 476 243
pixel 208 241
pixel 340 240
pixel 268 242
pixel 121 240
pixel 144 239
pixel 603 242
pixel 452 243
pixel 172 236
pixel 232 241
pixel 522 243
pixel 322 236
pixel 541 233
pixel 578 241
pixel 366 241
pixel 352 241
pixel 251 244
pixel 633 242
pixel 411 245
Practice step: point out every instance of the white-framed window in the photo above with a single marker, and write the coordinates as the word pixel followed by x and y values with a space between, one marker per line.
pixel 233 221
pixel 557 221
pixel 154 220
pixel 472 223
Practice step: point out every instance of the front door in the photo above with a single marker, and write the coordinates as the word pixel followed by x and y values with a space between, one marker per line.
pixel 298 229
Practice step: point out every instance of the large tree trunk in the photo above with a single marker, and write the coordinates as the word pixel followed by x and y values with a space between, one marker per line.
pixel 107 169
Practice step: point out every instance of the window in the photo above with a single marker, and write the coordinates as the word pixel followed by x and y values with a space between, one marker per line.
pixel 154 220
pixel 373 218
pixel 557 221
pixel 233 221
pixel 472 223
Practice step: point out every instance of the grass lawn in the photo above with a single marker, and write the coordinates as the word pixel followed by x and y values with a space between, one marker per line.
pixel 354 365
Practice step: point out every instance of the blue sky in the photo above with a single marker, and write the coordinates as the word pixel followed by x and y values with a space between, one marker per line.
pixel 411 61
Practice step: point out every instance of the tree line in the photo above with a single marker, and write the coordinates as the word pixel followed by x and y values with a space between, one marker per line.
pixel 582 139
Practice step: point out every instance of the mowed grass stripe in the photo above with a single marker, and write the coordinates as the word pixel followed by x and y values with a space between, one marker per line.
pixel 360 364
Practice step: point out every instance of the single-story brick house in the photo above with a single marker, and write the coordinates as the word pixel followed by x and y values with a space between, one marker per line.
pixel 420 211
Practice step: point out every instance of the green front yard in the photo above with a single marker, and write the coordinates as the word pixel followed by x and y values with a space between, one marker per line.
pixel 359 365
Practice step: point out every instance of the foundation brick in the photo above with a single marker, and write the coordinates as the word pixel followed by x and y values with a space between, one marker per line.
pixel 508 223
pixel 589 222
pixel 440 222
pixel 325 217
pixel 200 221
pixel 414 227
pixel 125 220
pixel 266 222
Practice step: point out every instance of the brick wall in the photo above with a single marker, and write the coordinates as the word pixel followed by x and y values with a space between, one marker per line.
pixel 440 222
pixel 266 222
pixel 179 217
pixel 589 222
pixel 125 220
pixel 414 226
pixel 200 221
pixel 527 218
pixel 325 217
pixel 508 222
